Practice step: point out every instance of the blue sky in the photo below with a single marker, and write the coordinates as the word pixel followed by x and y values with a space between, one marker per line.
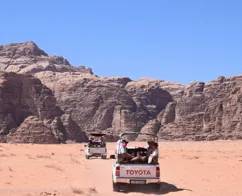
pixel 175 40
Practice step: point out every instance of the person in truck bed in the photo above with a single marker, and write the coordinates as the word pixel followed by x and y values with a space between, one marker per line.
pixel 122 152
pixel 152 154
pixel 90 141
pixel 118 146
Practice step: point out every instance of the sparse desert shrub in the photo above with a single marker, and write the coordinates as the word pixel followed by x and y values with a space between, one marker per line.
pixel 54 167
pixel 92 190
pixel 8 183
pixel 43 156
pixel 77 190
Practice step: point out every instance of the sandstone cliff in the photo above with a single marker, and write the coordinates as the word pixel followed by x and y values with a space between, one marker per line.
pixel 27 57
pixel 82 101
pixel 28 112
pixel 207 111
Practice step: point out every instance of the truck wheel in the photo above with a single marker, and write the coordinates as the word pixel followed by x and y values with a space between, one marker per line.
pixel 87 157
pixel 103 157
pixel 116 187
pixel 125 188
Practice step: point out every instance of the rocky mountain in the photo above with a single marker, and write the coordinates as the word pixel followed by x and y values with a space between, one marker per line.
pixel 28 58
pixel 74 100
pixel 29 114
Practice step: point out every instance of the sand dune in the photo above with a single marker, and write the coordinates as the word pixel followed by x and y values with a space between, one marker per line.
pixel 187 169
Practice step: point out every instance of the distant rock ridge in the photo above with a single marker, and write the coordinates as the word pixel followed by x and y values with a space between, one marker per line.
pixel 28 58
pixel 197 111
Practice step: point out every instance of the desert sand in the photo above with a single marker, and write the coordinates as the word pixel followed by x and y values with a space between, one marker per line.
pixel 187 169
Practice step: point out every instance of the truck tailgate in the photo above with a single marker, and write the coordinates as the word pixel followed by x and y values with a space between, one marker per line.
pixel 137 171
pixel 97 150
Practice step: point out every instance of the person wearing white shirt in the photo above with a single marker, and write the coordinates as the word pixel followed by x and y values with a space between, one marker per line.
pixel 123 150
pixel 154 154
pixel 118 146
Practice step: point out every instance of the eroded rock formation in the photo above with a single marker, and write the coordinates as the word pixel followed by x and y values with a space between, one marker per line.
pixel 73 100
pixel 23 96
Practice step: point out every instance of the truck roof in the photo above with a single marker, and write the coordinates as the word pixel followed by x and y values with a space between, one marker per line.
pixel 138 133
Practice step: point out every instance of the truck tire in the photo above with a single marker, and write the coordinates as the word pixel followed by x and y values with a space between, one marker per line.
pixel 116 187
pixel 103 157
pixel 125 188
pixel 87 157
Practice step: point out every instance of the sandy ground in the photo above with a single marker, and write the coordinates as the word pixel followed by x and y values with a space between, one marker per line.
pixel 187 169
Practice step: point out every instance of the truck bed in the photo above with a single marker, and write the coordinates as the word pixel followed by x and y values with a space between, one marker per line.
pixel 94 150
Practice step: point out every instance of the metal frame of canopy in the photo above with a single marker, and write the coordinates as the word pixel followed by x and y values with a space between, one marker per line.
pixel 155 137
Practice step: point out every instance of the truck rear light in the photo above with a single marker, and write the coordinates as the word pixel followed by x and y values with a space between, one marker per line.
pixel 157 172
pixel 117 171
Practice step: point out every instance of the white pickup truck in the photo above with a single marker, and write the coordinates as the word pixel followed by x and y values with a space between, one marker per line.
pixel 96 148
pixel 135 173
pixel 95 152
